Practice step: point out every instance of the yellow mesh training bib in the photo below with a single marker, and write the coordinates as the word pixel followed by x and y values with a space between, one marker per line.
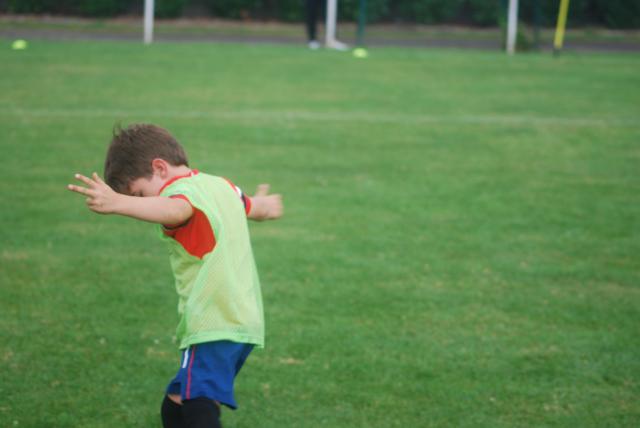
pixel 219 294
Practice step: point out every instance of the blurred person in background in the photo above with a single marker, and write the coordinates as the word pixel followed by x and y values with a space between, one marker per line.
pixel 312 12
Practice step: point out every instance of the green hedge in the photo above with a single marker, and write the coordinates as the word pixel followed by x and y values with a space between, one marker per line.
pixel 95 8
pixel 91 8
pixel 610 13
pixel 619 13
pixel 169 8
pixel 235 9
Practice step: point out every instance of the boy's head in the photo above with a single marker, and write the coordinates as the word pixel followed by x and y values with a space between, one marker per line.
pixel 132 153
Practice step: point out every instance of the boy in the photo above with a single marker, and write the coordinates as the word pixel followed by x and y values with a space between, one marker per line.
pixel 203 220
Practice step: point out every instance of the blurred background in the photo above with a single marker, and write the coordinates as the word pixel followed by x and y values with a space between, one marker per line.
pixel 592 24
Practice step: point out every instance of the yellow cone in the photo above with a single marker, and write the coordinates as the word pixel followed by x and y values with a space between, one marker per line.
pixel 360 53
pixel 19 45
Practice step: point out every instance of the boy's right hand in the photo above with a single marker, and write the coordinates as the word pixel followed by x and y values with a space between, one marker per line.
pixel 101 198
pixel 265 206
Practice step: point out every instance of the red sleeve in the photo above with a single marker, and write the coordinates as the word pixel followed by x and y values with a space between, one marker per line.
pixel 196 235
pixel 247 203
pixel 244 198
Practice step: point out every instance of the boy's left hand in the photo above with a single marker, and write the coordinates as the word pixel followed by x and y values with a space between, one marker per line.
pixel 265 206
pixel 101 198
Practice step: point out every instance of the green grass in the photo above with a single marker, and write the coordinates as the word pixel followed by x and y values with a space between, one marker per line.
pixel 460 247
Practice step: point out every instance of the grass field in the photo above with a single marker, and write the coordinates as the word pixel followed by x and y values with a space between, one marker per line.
pixel 460 247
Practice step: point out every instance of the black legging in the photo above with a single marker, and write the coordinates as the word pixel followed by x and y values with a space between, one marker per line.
pixel 313 11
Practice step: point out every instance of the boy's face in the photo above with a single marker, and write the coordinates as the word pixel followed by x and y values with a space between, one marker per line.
pixel 146 186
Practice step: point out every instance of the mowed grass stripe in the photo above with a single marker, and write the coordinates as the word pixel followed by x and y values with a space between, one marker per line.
pixel 331 116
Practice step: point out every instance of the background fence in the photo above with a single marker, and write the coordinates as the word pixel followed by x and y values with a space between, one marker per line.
pixel 609 13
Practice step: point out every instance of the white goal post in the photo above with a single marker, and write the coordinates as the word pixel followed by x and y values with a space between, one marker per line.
pixel 512 26
pixel 332 17
pixel 148 21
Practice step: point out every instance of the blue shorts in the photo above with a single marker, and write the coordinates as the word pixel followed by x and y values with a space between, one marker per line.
pixel 208 370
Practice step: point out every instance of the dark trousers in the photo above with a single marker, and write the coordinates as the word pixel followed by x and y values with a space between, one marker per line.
pixel 313 13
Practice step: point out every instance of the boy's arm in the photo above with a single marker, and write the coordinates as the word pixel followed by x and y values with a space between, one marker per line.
pixel 155 209
pixel 265 206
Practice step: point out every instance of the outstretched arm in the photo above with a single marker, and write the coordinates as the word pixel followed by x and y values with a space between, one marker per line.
pixel 265 206
pixel 102 199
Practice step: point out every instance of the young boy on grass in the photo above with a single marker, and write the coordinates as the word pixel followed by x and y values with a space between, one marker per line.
pixel 203 220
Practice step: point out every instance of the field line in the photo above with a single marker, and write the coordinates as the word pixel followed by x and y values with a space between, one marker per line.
pixel 330 116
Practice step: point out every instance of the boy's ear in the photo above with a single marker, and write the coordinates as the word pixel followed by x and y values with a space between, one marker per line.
pixel 160 167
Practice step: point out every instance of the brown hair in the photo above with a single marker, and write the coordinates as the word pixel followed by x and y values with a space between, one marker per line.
pixel 133 148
